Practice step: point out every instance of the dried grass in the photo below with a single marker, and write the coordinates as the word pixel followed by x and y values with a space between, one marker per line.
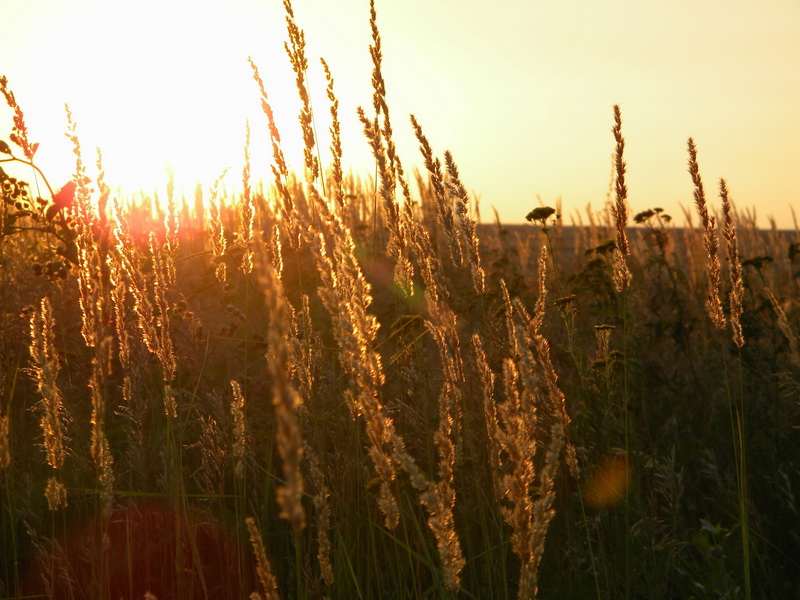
pixel 423 368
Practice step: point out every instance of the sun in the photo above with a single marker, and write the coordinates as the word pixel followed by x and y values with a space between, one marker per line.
pixel 163 87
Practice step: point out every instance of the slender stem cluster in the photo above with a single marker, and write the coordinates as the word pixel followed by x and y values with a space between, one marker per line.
pixel 734 265
pixel 285 398
pixel 337 177
pixel 296 50
pixel 713 302
pixel 622 275
pixel 280 170
pixel 45 366
pixel 444 208
pixel 19 133
pixel 247 208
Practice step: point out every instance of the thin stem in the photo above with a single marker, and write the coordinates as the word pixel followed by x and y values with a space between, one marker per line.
pixel 627 433
pixel 31 165
pixel 736 410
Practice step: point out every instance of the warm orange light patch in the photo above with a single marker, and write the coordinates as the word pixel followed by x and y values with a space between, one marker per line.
pixel 609 482
pixel 153 548
pixel 177 102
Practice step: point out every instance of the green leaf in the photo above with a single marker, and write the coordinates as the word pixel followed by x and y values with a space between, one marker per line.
pixel 700 541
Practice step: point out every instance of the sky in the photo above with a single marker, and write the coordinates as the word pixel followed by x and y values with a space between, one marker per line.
pixel 520 91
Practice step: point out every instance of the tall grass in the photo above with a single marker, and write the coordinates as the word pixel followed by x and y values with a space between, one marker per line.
pixel 346 388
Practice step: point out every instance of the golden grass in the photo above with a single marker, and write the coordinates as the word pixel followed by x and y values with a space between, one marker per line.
pixel 713 302
pixel 374 378
pixel 45 366
pixel 622 275
pixel 734 266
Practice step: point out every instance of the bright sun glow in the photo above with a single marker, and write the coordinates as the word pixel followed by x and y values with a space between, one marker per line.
pixel 160 86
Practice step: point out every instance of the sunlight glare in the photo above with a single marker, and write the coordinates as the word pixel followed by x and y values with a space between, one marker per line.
pixel 158 85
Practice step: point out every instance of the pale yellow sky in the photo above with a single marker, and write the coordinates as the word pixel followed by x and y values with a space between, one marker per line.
pixel 520 91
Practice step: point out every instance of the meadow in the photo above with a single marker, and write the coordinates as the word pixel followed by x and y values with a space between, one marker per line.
pixel 338 387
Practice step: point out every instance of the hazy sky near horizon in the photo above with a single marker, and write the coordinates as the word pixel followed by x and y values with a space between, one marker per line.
pixel 520 91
